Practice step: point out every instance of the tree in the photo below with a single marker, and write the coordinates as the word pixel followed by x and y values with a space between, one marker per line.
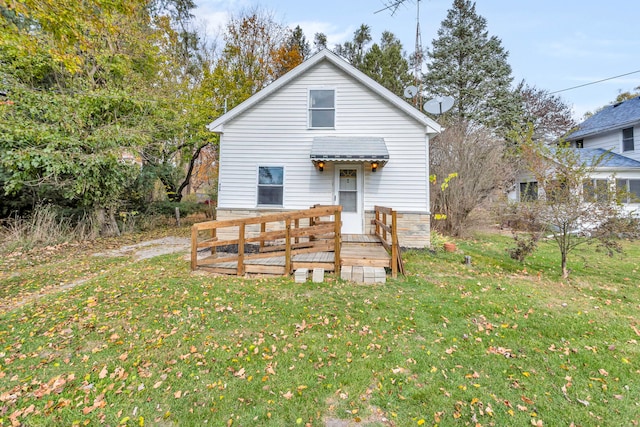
pixel 386 63
pixel 292 52
pixel 472 67
pixel 571 206
pixel 257 51
pixel 458 151
pixel 354 51
pixel 623 96
pixel 319 42
pixel 550 116
pixel 85 81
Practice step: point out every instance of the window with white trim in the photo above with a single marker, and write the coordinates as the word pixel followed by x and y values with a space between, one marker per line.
pixel 595 190
pixel 528 191
pixel 322 108
pixel 270 185
pixel 630 189
pixel 627 140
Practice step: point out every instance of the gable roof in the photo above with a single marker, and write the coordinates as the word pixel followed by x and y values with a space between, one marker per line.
pixel 326 55
pixel 610 160
pixel 616 116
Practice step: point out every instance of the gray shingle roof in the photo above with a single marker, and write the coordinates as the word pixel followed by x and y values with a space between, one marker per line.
pixel 610 160
pixel 349 148
pixel 616 116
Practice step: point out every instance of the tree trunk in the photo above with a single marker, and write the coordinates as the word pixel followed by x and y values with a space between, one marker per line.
pixel 565 270
pixel 107 223
pixel 187 179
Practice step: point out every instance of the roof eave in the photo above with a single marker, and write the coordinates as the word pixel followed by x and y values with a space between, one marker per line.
pixel 612 128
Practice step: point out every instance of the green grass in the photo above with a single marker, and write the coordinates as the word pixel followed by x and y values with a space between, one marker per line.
pixel 494 344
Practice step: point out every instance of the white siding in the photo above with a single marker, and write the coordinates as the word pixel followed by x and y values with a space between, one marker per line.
pixel 274 132
pixel 613 141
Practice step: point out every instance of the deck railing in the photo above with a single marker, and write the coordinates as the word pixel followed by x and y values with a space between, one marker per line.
pixel 386 228
pixel 275 235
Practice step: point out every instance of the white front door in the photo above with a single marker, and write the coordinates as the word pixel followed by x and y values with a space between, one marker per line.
pixel 348 187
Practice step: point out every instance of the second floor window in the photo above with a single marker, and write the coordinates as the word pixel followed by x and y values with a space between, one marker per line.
pixel 627 140
pixel 322 108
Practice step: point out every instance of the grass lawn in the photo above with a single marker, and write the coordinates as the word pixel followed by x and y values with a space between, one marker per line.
pixel 498 343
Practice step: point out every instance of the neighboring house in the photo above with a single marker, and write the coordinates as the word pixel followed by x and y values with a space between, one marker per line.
pixel 613 131
pixel 325 133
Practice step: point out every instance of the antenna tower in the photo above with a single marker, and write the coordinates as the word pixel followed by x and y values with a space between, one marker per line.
pixel 393 5
pixel 417 67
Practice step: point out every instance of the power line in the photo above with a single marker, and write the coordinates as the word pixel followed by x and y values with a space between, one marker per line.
pixel 592 83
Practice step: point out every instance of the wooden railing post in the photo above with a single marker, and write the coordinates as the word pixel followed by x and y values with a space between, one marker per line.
pixel 394 246
pixel 287 248
pixel 263 228
pixel 338 241
pixel 241 228
pixel 384 229
pixel 296 223
pixel 194 248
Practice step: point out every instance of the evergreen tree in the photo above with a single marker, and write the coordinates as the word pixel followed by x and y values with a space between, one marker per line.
pixel 354 51
pixel 319 42
pixel 386 63
pixel 469 65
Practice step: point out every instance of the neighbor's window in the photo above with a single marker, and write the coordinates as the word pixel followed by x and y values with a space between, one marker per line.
pixel 627 140
pixel 270 185
pixel 630 189
pixel 595 190
pixel 322 108
pixel 528 191
pixel 580 143
pixel 557 191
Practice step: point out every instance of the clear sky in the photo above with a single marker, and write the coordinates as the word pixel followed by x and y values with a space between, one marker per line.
pixel 552 44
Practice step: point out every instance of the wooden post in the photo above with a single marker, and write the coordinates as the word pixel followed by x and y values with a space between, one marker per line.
pixel 194 248
pixel 214 235
pixel 287 250
pixel 263 228
pixel 377 221
pixel 296 224
pixel 337 242
pixel 384 229
pixel 394 246
pixel 241 249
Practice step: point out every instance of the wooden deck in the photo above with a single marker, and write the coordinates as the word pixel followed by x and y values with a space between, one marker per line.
pixel 284 242
pixel 357 250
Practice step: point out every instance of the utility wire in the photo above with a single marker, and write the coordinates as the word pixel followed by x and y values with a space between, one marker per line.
pixel 592 83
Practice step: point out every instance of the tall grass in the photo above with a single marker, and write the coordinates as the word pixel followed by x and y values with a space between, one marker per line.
pixel 44 227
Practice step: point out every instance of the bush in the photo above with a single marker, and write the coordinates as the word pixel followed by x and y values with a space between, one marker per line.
pixel 526 244
pixel 45 226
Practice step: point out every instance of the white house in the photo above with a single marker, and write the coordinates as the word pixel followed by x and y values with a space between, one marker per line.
pixel 613 133
pixel 325 133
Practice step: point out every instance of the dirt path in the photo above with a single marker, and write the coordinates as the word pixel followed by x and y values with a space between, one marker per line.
pixel 150 248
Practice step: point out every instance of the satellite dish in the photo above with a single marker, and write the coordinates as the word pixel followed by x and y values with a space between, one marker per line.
pixel 439 105
pixel 410 91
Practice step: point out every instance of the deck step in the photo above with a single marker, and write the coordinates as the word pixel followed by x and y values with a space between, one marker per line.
pixel 301 275
pixel 318 275
pixel 359 274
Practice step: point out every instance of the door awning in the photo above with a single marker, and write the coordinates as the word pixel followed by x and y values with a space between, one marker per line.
pixel 349 149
